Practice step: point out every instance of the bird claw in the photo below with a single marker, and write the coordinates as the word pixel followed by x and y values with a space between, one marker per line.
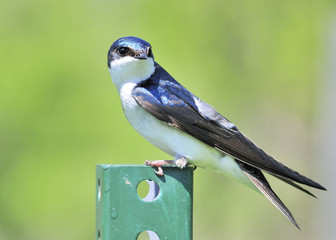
pixel 158 164
pixel 159 172
pixel 179 162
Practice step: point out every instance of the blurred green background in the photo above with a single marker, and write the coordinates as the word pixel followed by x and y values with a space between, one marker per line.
pixel 261 63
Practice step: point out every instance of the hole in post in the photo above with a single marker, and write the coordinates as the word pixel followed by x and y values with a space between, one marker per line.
pixel 99 235
pixel 99 190
pixel 148 235
pixel 148 190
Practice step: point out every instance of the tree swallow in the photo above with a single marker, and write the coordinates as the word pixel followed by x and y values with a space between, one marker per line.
pixel 179 123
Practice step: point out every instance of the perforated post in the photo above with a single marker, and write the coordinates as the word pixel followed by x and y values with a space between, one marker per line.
pixel 165 213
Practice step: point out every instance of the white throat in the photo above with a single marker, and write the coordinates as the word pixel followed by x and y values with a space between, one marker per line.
pixel 130 70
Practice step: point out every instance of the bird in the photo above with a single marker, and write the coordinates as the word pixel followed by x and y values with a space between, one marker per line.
pixel 173 119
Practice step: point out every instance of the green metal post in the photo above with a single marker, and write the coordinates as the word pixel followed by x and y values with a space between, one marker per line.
pixel 122 215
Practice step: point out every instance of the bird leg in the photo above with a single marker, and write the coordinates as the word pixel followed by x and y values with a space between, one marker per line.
pixel 179 162
pixel 159 164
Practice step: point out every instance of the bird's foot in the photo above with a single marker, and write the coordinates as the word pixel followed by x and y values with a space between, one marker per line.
pixel 179 162
pixel 159 164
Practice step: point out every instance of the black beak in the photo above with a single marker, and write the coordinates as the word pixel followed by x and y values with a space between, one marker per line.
pixel 145 54
pixel 141 55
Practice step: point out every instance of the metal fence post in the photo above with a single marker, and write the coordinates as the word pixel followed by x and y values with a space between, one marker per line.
pixel 122 215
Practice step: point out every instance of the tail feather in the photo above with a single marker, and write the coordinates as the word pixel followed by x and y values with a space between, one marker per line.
pixel 259 180
pixel 295 185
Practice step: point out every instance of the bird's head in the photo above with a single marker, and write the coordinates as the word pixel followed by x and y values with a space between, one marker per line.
pixel 130 59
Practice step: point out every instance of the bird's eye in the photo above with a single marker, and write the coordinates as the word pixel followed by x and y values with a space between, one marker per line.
pixel 123 50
